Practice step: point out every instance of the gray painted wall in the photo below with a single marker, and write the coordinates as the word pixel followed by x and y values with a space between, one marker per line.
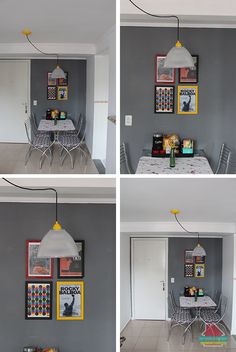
pixel 93 223
pixel 76 102
pixel 213 265
pixel 216 122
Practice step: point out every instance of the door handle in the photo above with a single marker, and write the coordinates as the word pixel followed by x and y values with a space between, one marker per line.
pixel 163 285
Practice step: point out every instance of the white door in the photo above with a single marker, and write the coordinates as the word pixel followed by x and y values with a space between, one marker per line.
pixel 14 100
pixel 149 278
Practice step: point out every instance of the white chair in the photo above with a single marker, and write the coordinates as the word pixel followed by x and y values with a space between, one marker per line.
pixel 224 160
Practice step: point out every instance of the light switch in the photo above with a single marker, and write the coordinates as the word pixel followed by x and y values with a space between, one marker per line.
pixel 128 120
pixel 172 280
pixel 35 102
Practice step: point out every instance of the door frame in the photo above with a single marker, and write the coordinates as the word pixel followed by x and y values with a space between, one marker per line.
pixel 132 240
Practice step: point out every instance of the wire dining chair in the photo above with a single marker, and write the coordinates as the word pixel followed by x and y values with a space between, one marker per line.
pixel 38 142
pixel 180 317
pixel 125 167
pixel 210 316
pixel 71 143
pixel 224 160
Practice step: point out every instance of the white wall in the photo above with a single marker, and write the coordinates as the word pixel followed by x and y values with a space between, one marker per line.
pixel 100 107
pixel 125 289
pixel 233 330
pixel 90 102
pixel 108 44
pixel 227 276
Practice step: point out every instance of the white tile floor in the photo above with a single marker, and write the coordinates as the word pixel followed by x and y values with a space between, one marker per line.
pixel 150 336
pixel 12 161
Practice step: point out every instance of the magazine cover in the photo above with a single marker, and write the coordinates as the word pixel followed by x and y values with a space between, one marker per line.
pixel 70 300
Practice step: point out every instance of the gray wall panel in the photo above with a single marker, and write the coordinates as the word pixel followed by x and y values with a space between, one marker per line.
pixel 93 223
pixel 213 265
pixel 76 102
pixel 216 121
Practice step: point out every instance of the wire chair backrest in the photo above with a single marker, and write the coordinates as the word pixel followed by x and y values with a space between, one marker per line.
pixel 34 120
pixel 171 303
pixel 124 163
pixel 173 298
pixel 78 121
pixel 80 124
pixel 217 299
pixel 224 160
pixel 224 303
pixel 28 130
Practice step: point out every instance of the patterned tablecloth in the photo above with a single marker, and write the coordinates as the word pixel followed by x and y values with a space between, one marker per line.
pixel 189 302
pixel 48 125
pixel 194 165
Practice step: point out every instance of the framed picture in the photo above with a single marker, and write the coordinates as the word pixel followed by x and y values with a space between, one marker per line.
pixel 199 270
pixel 51 81
pixel 188 74
pixel 62 93
pixel 70 300
pixel 52 93
pixel 38 300
pixel 187 100
pixel 163 74
pixel 72 267
pixel 63 81
pixel 188 256
pixel 41 268
pixel 199 260
pixel 164 99
pixel 188 270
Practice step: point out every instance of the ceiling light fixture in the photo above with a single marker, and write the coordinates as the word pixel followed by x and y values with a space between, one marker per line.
pixel 178 56
pixel 57 72
pixel 198 251
pixel 57 243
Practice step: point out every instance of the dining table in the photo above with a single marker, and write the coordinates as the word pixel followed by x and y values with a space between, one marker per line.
pixel 201 302
pixel 197 164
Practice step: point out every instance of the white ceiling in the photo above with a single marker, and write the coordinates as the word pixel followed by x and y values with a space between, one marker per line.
pixel 199 199
pixel 71 190
pixel 215 13
pixel 56 21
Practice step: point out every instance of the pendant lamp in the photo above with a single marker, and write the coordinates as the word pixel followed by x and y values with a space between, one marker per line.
pixel 57 72
pixel 57 243
pixel 198 250
pixel 178 56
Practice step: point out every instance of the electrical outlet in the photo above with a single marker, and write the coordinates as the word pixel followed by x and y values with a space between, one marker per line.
pixel 35 102
pixel 172 280
pixel 128 120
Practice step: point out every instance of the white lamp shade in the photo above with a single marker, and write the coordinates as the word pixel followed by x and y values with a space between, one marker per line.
pixel 178 57
pixel 58 73
pixel 57 244
pixel 199 251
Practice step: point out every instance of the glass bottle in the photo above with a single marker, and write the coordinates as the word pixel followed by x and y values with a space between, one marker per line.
pixel 172 156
